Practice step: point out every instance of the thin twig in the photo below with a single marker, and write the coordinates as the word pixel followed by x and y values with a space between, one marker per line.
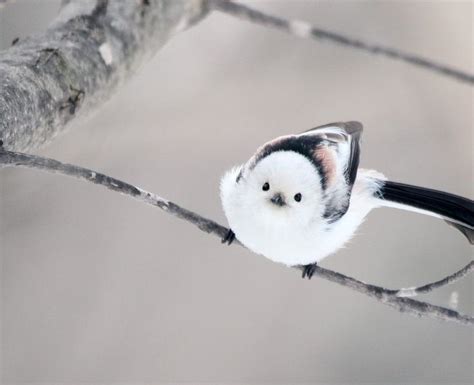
pixel 306 30
pixel 413 291
pixel 11 159
pixel 386 296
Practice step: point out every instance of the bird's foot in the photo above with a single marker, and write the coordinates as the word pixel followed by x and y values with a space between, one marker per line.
pixel 308 270
pixel 229 237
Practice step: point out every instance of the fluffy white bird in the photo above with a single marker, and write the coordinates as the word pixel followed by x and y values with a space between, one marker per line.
pixel 300 198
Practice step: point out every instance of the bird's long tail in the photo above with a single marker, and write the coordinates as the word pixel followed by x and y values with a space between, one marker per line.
pixel 455 210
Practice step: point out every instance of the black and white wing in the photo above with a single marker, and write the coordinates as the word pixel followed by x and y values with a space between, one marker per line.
pixel 337 156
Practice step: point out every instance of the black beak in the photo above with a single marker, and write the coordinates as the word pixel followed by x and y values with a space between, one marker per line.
pixel 278 200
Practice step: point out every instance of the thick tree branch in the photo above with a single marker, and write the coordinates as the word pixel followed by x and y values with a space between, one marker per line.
pixel 386 296
pixel 73 67
pixel 306 30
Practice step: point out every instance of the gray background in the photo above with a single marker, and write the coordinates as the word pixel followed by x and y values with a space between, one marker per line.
pixel 98 288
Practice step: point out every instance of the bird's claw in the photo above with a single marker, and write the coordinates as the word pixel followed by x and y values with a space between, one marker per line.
pixel 308 270
pixel 229 237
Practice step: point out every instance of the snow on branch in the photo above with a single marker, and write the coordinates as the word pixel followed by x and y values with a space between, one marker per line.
pixel 394 298
pixel 76 64
pixel 305 30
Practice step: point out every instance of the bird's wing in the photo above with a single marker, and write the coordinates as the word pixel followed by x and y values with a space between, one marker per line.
pixel 337 154
pixel 343 139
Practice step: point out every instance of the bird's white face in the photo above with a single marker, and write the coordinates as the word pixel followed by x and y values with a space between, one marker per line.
pixel 283 190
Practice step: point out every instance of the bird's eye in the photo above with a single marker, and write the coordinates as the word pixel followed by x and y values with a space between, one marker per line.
pixel 298 197
pixel 266 186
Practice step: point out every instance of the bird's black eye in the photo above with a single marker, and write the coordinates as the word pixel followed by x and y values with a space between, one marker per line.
pixel 298 197
pixel 266 186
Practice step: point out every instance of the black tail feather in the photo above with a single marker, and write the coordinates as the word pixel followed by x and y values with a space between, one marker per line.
pixel 467 232
pixel 456 210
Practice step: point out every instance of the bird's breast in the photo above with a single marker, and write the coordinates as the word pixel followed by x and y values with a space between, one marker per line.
pixel 287 244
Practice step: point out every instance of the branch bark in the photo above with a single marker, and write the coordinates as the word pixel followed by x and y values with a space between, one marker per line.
pixel 388 297
pixel 73 67
pixel 414 291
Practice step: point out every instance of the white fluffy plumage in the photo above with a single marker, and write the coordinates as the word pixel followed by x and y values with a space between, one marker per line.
pixel 296 233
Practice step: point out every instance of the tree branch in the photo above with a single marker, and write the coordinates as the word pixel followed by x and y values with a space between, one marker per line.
pixel 305 30
pixel 92 47
pixel 413 291
pixel 385 296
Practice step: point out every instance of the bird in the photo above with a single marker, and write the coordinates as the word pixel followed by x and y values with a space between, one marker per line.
pixel 301 197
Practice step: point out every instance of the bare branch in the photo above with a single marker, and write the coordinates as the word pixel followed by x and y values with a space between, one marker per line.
pixel 306 30
pixel 413 291
pixel 76 64
pixel 386 296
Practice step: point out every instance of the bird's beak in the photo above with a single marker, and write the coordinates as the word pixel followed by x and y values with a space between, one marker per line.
pixel 278 199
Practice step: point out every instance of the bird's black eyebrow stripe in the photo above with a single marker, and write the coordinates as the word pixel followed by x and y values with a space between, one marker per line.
pixel 303 145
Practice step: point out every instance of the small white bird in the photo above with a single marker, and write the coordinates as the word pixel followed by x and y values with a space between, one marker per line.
pixel 300 198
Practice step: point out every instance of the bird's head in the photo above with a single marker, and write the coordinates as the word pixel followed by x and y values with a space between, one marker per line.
pixel 283 187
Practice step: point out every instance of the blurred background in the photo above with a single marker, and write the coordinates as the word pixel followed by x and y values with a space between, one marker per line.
pixel 97 288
